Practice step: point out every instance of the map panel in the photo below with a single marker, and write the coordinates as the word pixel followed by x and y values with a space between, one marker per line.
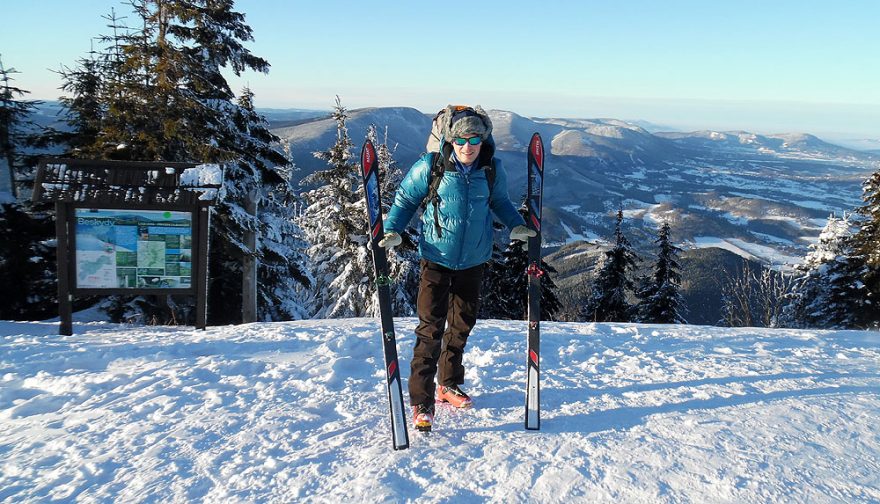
pixel 128 249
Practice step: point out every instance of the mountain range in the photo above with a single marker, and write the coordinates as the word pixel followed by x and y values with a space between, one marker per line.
pixel 729 196
pixel 764 197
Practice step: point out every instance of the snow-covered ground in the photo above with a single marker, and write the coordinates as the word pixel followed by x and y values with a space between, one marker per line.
pixel 295 411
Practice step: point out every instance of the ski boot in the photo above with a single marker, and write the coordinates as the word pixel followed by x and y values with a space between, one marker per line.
pixel 454 396
pixel 423 417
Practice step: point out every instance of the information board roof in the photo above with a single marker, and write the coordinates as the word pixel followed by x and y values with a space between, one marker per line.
pixel 126 182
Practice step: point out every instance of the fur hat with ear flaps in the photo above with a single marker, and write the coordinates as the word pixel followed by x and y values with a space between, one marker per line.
pixel 462 121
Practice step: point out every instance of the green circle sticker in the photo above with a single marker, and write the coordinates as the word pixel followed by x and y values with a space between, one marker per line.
pixel 167 215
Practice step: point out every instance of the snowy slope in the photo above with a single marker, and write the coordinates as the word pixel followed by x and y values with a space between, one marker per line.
pixel 295 412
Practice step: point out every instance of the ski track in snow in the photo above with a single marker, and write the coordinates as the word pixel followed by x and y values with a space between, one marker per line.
pixel 296 411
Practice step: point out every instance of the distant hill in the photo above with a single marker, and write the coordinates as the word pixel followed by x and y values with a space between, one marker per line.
pixel 768 194
pixel 407 129
pixel 280 118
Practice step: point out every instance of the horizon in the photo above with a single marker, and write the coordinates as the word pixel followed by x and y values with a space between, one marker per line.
pixel 785 67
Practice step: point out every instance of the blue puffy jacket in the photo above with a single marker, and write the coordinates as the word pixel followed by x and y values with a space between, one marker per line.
pixel 464 210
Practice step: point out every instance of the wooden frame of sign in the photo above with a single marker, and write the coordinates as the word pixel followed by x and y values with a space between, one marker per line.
pixel 141 231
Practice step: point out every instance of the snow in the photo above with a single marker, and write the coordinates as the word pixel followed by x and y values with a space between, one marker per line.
pixel 814 205
pixel 573 236
pixel 775 258
pixel 203 175
pixel 748 250
pixel 295 411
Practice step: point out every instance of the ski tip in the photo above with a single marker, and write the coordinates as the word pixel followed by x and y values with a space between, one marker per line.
pixel 536 149
pixel 368 156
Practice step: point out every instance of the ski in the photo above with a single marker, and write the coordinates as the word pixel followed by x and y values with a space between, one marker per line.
pixel 536 184
pixel 370 172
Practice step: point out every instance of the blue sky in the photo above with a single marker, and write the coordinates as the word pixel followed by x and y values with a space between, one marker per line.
pixel 764 66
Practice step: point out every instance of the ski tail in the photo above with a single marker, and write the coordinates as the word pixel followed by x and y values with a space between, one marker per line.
pixel 370 173
pixel 534 272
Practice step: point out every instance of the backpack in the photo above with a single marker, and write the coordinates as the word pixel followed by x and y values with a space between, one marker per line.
pixel 438 167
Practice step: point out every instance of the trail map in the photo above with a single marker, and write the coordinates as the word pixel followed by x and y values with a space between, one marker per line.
pixel 133 249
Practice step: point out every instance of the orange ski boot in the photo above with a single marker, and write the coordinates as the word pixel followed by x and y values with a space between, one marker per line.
pixel 454 396
pixel 423 417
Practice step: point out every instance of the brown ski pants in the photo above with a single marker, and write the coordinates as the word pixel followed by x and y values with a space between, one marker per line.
pixel 447 305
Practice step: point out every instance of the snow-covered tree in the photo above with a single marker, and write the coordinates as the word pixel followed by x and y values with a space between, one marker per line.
pixel 334 222
pixel 264 173
pixel 754 298
pixel 157 92
pixel 829 292
pixel 866 245
pixel 608 301
pixel 660 298
pixel 27 263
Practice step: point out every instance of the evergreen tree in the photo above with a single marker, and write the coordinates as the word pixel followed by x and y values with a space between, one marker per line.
pixel 156 92
pixel 334 223
pixel 493 299
pixel 507 288
pixel 608 301
pixel 17 132
pixel 163 94
pixel 260 172
pixel 866 245
pixel 84 108
pixel 661 301
pixel 27 263
pixel 27 266
pixel 829 293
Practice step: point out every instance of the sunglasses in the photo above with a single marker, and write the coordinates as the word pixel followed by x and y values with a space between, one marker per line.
pixel 472 140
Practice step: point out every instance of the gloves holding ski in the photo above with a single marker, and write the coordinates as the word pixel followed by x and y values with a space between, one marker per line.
pixel 392 239
pixel 522 233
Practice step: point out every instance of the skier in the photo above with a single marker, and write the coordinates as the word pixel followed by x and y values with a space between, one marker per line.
pixel 462 183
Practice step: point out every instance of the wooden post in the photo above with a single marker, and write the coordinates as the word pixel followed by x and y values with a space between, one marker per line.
pixel 203 218
pixel 249 264
pixel 62 250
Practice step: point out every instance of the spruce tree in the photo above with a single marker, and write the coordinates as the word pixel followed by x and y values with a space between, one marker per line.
pixel 27 266
pixel 608 301
pixel 661 301
pixel 162 96
pixel 262 172
pixel 84 107
pixel 866 243
pixel 829 293
pixel 27 263
pixel 17 132
pixel 334 223
pixel 493 299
